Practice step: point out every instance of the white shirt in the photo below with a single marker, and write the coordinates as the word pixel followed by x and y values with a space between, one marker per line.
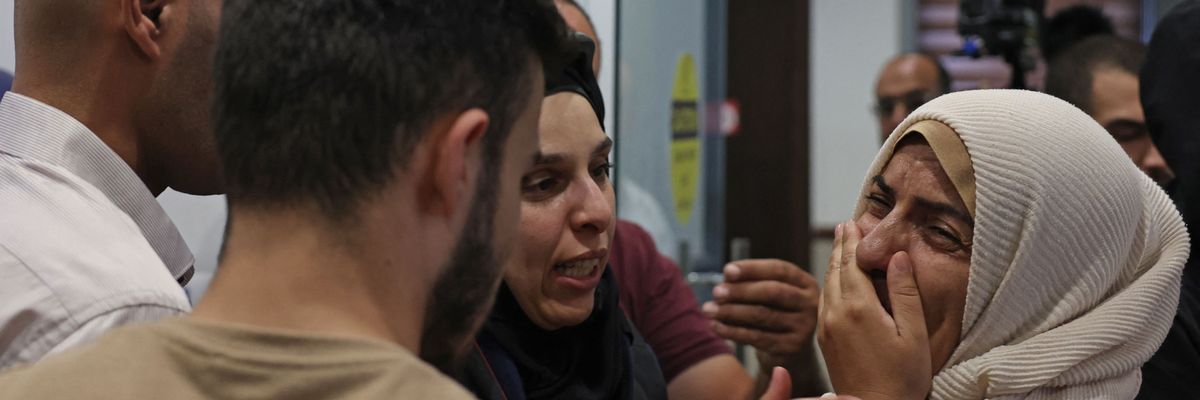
pixel 84 246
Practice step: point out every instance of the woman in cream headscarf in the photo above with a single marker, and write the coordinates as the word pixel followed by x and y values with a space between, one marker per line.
pixel 1004 246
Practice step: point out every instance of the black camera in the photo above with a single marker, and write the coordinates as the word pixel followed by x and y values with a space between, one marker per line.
pixel 1004 28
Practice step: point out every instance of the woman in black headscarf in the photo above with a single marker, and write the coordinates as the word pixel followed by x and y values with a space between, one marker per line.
pixel 556 331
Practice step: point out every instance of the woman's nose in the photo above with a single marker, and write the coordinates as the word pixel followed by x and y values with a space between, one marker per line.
pixel 881 239
pixel 592 211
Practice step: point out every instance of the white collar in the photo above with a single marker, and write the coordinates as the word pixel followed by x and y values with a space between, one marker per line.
pixel 33 130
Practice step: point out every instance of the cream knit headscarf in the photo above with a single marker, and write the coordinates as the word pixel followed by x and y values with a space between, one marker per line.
pixel 1077 255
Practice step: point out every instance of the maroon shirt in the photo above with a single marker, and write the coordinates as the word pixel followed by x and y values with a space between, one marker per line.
pixel 660 303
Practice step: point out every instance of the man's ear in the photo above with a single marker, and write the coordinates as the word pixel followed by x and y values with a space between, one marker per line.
pixel 141 20
pixel 456 156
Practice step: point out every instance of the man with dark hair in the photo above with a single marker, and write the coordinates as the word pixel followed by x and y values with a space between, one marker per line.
pixel 110 109
pixel 1099 75
pixel 906 82
pixel 372 154
pixel 1170 93
pixel 1070 26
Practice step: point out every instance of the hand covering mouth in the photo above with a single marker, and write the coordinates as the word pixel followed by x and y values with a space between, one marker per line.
pixel 879 280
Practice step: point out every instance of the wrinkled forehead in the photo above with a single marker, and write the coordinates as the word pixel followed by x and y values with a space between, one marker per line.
pixel 936 142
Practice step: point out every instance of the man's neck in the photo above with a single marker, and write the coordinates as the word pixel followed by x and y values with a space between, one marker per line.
pixel 285 272
pixel 104 102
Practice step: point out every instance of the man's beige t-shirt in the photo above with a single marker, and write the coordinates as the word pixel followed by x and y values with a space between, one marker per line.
pixel 184 358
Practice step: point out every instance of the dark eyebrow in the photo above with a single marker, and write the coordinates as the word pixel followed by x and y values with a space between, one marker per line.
pixel 547 159
pixel 884 186
pixel 604 146
pixel 947 209
pixel 1127 129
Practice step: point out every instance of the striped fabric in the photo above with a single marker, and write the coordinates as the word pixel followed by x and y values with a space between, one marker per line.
pixel 84 246
pixel 1077 255
pixel 44 134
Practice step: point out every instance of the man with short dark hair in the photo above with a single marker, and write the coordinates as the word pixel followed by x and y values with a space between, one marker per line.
pixel 1072 25
pixel 372 154
pixel 1099 75
pixel 906 82
pixel 110 109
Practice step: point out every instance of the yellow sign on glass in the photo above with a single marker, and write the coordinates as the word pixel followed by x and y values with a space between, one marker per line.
pixel 685 139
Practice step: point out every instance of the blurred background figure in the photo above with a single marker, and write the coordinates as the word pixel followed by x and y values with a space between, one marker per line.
pixel 1099 75
pixel 905 83
pixel 1070 26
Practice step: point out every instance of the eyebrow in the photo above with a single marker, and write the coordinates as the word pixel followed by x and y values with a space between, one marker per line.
pixel 547 159
pixel 946 209
pixel 928 204
pixel 604 146
pixel 556 158
pixel 884 186
pixel 1139 129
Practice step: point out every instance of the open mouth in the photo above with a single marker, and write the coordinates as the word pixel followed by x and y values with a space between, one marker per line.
pixel 879 280
pixel 578 268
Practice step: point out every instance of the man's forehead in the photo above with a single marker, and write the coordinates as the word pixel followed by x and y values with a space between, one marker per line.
pixel 907 73
pixel 1115 96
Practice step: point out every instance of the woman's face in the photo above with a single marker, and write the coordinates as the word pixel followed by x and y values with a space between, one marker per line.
pixel 567 219
pixel 912 206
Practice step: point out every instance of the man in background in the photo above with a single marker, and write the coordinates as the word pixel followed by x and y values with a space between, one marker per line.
pixel 1100 76
pixel 906 82
pixel 691 348
pixel 1070 26
pixel 373 151
pixel 110 109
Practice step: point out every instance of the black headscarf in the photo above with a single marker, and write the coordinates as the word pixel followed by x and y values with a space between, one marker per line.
pixel 602 358
pixel 585 361
pixel 1170 92
pixel 579 78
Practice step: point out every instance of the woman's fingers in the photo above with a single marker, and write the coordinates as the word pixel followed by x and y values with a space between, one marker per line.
pixel 906 297
pixel 855 285
pixel 832 289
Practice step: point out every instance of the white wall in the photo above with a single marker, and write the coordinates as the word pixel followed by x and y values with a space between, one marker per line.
pixel 7 52
pixel 849 42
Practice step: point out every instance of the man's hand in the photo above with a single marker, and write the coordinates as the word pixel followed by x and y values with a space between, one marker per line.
pixel 771 305
pixel 869 353
pixel 768 304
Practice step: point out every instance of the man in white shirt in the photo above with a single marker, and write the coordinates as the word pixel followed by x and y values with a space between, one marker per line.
pixel 109 109
pixel 374 153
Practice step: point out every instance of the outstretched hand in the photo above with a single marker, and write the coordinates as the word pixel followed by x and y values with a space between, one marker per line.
pixel 869 353
pixel 768 304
